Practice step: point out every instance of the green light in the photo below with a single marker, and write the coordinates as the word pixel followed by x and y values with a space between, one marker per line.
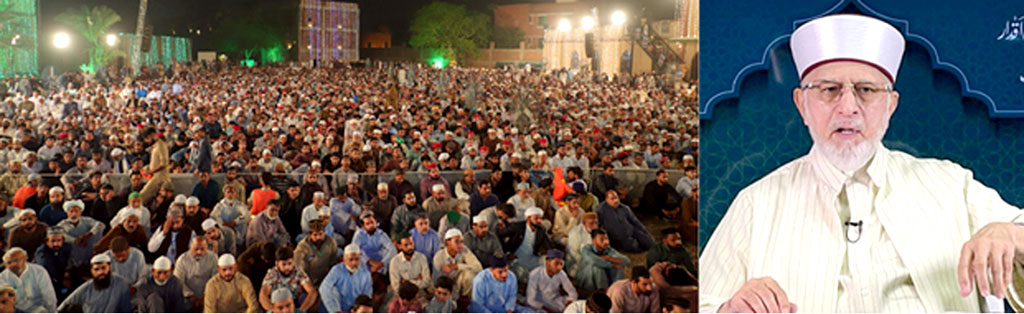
pixel 18 20
pixel 248 63
pixel 439 62
pixel 87 68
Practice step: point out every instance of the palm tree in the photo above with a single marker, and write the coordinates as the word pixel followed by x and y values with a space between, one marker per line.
pixel 14 38
pixel 92 24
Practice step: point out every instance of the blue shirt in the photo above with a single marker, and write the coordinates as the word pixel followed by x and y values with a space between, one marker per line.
pixel 342 213
pixel 491 295
pixel 340 289
pixel 208 195
pixel 377 246
pixel 51 216
pixel 477 202
pixel 428 243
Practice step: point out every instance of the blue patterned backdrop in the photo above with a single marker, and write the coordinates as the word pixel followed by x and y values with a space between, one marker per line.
pixel 749 134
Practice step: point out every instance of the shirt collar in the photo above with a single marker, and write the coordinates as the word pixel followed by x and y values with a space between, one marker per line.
pixel 833 178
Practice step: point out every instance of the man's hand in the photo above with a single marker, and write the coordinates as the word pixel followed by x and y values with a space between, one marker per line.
pixel 759 295
pixel 991 248
pixel 82 239
pixel 375 265
pixel 449 268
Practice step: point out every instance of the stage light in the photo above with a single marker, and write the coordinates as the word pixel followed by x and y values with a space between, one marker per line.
pixel 61 40
pixel 618 17
pixel 587 23
pixel 564 25
pixel 111 40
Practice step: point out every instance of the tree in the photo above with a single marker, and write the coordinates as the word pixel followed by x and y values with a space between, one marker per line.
pixel 93 25
pixel 507 37
pixel 16 38
pixel 265 28
pixel 455 31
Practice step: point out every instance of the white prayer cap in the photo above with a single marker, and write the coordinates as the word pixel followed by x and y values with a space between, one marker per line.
pixel 534 211
pixel 280 294
pixel 443 156
pixel 101 258
pixel 451 233
pixel 479 218
pixel 366 147
pixel 117 152
pixel 847 37
pixel 266 152
pixel 382 186
pixel 542 152
pixel 27 211
pixel 74 203
pixel 209 223
pixel 522 186
pixel 192 201
pixel 352 249
pixel 516 155
pixel 437 187
pixel 226 260
pixel 180 199
pixel 314 164
pixel 56 189
pixel 197 127
pixel 318 195
pixel 162 263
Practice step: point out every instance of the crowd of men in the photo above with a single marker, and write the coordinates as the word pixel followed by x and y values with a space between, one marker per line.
pixel 315 212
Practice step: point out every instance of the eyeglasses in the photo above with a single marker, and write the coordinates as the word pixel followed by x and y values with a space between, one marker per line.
pixel 829 92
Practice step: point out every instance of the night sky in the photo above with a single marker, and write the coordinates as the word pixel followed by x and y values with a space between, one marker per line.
pixel 175 17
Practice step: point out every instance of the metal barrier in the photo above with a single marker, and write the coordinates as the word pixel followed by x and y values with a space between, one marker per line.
pixel 635 179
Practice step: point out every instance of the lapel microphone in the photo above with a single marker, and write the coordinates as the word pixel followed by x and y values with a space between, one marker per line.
pixel 850 231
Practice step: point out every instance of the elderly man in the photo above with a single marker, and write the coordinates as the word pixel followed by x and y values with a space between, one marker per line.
pixel 82 232
pixel 312 211
pixel 482 242
pixel 494 290
pixel 438 205
pixel 852 207
pixel 161 292
pixel 134 208
pixel 267 227
pixel 346 281
pixel 286 275
pixel 129 229
pixel 219 239
pixel 229 291
pixel 382 205
pixel 194 269
pixel 126 262
pixel 543 290
pixel 173 237
pixel 409 266
pixel 457 262
pixel 526 242
pixel 316 253
pixel 30 281
pixel 232 213
pixel 599 264
pixel 104 293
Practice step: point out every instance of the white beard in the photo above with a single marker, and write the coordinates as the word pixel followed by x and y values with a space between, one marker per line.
pixel 848 157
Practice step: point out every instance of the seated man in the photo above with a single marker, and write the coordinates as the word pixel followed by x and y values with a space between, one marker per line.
pixel 29 234
pixel 405 214
pixel 267 227
pixel 232 213
pixel 579 236
pixel 161 292
pixel 596 303
pixel 407 300
pixel 457 262
pixel 526 241
pixel 81 232
pixel 32 283
pixel 135 207
pixel 129 229
pixel 438 205
pixel 53 256
pixel 171 239
pixel 409 267
pixel 660 198
pixel 104 293
pixel 194 269
pixel 636 295
pixel 671 250
pixel 427 240
pixel 346 281
pixel 126 262
pixel 482 242
pixel 599 263
pixel 285 275
pixel 219 239
pixel 316 253
pixel 624 229
pixel 282 301
pixel 442 301
pixel 494 290
pixel 544 289
pixel 229 291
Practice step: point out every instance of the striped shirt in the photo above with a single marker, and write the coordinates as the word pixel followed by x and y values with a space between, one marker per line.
pixel 915 213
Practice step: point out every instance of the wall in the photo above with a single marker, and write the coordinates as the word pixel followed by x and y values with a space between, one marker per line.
pixel 528 17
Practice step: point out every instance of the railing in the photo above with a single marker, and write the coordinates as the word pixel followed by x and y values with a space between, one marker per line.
pixel 655 46
pixel 633 179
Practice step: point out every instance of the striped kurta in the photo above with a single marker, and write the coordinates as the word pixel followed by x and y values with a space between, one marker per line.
pixel 916 214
